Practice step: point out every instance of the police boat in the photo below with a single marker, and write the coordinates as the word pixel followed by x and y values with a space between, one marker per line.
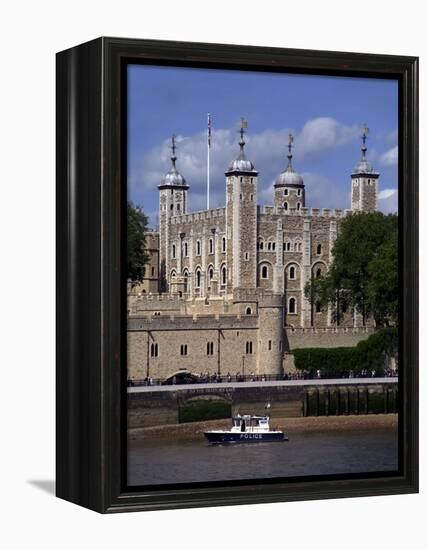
pixel 247 429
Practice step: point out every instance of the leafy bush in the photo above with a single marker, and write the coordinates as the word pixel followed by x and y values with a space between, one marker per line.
pixel 204 409
pixel 370 354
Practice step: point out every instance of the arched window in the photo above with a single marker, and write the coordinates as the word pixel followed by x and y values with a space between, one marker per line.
pixel 264 272
pixel 186 281
pixel 269 245
pixel 285 205
pixel 173 273
pixel 285 192
pixel 154 350
pixel 248 311
pixel 210 273
pixel 318 273
pixel 319 249
pixel 261 245
pixel 292 272
pixel 198 278
pixel 223 244
pixel 292 305
pixel 295 247
pixel 223 275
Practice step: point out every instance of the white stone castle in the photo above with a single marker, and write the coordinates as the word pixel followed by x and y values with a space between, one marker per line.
pixel 224 290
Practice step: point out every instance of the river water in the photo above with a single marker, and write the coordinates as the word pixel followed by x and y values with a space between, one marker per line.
pixel 320 453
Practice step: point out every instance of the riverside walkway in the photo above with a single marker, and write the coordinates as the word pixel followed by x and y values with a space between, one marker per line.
pixel 261 384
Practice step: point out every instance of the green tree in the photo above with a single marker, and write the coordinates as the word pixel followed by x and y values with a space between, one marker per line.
pixel 365 247
pixel 136 242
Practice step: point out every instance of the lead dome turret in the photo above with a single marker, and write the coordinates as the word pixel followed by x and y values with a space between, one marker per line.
pixel 289 177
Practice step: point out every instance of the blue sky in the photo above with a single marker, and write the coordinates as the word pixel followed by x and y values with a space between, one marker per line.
pixel 324 113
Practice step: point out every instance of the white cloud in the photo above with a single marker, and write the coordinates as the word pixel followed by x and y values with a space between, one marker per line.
pixel 390 157
pixel 388 201
pixel 267 150
pixel 386 193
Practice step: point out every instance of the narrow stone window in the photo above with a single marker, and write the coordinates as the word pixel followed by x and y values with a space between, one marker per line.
pixel 319 249
pixel 248 311
pixel 154 350
pixel 183 349
pixel 292 305
pixel 318 273
pixel 198 278
pixel 264 272
pixel 298 206
pixel 292 272
pixel 285 205
pixel 269 345
pixel 249 348
pixel 299 192
pixel 285 192
pixel 173 251
pixel 223 244
pixel 223 275
pixel 198 248
pixel 185 249
pixel 211 246
pixel 210 348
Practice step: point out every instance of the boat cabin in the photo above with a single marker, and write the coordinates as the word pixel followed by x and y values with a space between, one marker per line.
pixel 248 423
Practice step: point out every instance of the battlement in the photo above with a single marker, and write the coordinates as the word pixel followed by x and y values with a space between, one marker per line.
pixel 221 321
pixel 304 212
pixel 329 330
pixel 214 213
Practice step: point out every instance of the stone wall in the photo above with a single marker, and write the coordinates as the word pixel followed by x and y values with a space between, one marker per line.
pixel 158 407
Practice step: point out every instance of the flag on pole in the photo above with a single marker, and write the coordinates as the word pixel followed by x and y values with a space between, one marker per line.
pixel 209 130
pixel 244 123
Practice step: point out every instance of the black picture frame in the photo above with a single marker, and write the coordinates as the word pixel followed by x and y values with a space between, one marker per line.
pixel 91 317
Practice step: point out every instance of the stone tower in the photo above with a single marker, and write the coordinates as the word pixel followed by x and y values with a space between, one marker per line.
pixel 172 202
pixel 241 219
pixel 364 190
pixel 289 187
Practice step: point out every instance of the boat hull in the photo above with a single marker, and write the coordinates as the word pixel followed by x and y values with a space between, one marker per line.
pixel 243 437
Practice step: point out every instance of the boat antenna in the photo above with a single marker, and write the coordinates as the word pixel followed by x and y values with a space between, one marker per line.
pixel 268 407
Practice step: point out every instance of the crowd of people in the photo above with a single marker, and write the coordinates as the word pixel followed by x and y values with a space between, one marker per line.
pixel 186 377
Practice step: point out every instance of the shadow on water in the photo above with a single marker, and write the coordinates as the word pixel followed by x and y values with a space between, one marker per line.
pixel 46 485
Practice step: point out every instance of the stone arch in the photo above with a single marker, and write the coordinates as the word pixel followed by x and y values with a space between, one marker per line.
pixel 264 273
pixel 198 276
pixel 288 276
pixel 186 280
pixel 223 274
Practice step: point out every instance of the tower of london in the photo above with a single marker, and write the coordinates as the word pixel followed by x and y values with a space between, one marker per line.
pixel 224 288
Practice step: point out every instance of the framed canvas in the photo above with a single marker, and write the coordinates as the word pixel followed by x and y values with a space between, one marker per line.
pixel 237 278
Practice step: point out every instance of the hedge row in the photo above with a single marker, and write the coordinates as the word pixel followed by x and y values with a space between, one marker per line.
pixel 370 354
pixel 204 409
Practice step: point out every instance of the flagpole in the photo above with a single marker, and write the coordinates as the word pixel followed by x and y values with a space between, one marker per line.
pixel 208 160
